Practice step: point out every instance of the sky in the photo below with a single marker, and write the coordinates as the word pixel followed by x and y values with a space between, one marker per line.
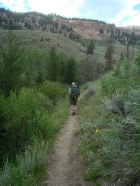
pixel 118 12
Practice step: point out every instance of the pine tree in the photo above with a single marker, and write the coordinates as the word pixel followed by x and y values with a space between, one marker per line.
pixel 52 65
pixel 0 20
pixel 122 57
pixel 62 70
pixel 70 70
pixel 39 78
pixel 127 52
pixel 89 69
pixel 11 63
pixel 132 52
pixel 90 48
pixel 109 52
pixel 27 82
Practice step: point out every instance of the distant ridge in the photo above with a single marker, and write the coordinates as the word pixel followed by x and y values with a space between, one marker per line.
pixel 74 28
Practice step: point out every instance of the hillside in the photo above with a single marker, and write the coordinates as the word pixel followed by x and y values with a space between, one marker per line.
pixel 74 28
pixel 85 28
pixel 45 40
pixel 110 127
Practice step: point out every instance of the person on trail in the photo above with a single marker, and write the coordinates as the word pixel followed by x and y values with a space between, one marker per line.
pixel 73 97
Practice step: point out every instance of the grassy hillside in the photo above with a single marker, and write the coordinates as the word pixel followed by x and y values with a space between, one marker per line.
pixel 110 127
pixel 45 40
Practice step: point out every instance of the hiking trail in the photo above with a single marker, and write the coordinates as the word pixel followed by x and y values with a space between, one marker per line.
pixel 64 166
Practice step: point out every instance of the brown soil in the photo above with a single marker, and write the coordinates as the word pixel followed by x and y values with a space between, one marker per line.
pixel 65 168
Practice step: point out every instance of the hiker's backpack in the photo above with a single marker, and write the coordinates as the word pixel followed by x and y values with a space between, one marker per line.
pixel 74 93
pixel 77 85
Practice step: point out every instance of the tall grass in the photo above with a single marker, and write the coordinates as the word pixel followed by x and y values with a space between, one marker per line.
pixel 30 165
pixel 110 126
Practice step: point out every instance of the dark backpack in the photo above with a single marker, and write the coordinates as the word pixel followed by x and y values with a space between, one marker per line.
pixel 77 85
pixel 74 93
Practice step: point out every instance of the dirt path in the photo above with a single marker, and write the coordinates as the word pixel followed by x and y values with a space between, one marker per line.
pixel 64 167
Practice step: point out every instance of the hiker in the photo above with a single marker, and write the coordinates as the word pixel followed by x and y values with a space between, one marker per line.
pixel 73 97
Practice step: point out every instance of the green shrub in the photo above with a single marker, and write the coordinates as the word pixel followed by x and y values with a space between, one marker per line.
pixel 26 116
pixel 41 124
pixel 53 90
pixel 109 84
pixel 90 91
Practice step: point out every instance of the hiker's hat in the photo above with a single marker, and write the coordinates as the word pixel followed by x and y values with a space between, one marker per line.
pixel 74 85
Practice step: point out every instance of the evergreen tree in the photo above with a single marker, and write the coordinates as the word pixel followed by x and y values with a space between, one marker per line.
pixel 39 78
pixel 101 31
pixel 70 36
pixel 27 82
pixel 109 53
pixel 122 57
pixel 83 44
pixel 89 68
pixel 62 71
pixel 132 53
pixel 52 65
pixel 36 61
pixel 90 48
pixel 70 70
pixel 26 24
pixel 33 20
pixel 0 20
pixel 127 52
pixel 60 31
pixel 11 63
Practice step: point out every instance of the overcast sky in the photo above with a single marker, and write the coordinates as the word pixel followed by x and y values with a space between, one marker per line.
pixel 119 12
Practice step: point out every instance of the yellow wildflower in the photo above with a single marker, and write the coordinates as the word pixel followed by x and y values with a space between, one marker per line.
pixel 97 130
